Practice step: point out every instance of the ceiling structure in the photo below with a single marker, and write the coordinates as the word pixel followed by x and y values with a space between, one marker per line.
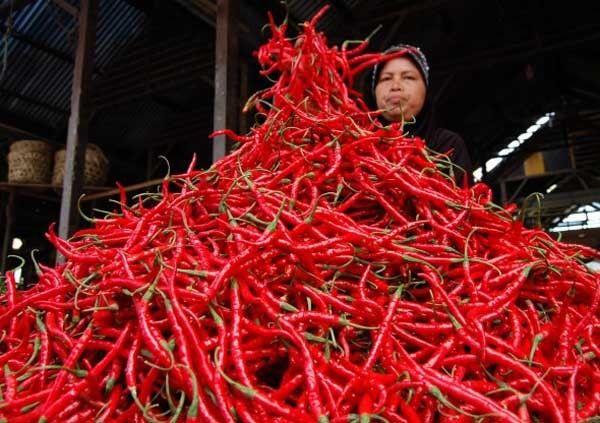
pixel 497 67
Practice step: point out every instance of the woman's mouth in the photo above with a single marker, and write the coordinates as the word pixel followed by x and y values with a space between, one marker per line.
pixel 396 100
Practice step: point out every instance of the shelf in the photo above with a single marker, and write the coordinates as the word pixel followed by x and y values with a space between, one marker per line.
pixel 47 192
pixel 91 193
pixel 11 185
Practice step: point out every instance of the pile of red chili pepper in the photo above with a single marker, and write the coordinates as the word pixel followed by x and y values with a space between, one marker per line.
pixel 327 270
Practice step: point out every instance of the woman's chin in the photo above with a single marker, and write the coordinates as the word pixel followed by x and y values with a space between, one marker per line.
pixel 393 117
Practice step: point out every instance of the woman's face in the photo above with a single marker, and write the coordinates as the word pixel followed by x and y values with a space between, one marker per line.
pixel 400 90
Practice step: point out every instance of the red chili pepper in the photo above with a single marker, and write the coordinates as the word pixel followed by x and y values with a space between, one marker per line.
pixel 277 272
pixel 51 406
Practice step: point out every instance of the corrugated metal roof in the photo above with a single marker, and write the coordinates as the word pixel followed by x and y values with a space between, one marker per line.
pixel 305 10
pixel 44 78
pixel 340 13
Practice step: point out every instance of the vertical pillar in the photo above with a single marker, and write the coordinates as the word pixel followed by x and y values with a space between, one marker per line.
pixel 8 229
pixel 504 194
pixel 243 118
pixel 226 103
pixel 77 136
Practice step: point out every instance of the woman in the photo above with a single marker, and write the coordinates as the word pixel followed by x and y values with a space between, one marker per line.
pixel 399 89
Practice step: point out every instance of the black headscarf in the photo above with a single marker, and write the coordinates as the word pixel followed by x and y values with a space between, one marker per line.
pixel 425 123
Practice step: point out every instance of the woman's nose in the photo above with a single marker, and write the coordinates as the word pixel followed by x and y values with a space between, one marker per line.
pixel 396 83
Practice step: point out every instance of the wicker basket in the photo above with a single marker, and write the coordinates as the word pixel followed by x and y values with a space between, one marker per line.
pixel 29 161
pixel 95 169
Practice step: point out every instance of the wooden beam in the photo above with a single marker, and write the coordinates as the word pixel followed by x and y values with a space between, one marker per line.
pixel 150 88
pixel 8 229
pixel 30 41
pixel 33 101
pixel 12 6
pixel 40 46
pixel 72 10
pixel 77 135
pixel 226 74
pixel 558 41
pixel 154 56
pixel 23 187
pixel 17 125
pixel 148 82
pixel 566 199
pixel 4 127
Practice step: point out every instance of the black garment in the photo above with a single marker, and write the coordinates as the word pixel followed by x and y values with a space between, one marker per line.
pixel 448 142
pixel 442 141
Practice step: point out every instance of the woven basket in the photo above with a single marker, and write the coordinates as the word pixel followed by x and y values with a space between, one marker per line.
pixel 29 161
pixel 30 146
pixel 95 168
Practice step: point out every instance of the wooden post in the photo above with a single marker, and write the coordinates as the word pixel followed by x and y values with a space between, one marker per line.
pixel 8 229
pixel 504 194
pixel 77 136
pixel 243 96
pixel 226 103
